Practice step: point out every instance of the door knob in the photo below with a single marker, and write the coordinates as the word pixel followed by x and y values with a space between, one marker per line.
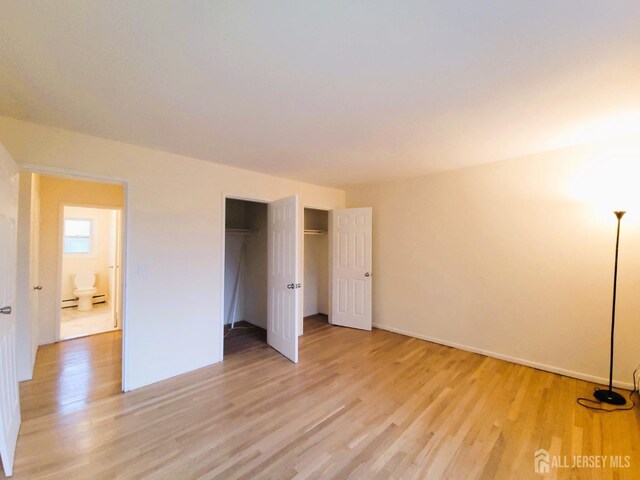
pixel 38 287
pixel 291 286
pixel 298 285
pixel 5 310
pixel 367 274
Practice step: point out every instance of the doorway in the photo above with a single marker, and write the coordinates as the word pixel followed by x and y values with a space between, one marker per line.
pixel 316 298
pixel 86 218
pixel 90 277
pixel 261 274
pixel 245 276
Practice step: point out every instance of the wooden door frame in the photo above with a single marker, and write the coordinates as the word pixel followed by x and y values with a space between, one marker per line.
pixel 124 234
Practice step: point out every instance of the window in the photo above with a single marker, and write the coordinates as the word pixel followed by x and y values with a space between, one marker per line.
pixel 77 235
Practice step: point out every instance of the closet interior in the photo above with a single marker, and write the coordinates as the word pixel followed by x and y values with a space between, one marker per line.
pixel 245 277
pixel 316 264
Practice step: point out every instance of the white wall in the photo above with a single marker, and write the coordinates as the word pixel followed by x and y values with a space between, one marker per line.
pixel 505 259
pixel 98 261
pixel 174 272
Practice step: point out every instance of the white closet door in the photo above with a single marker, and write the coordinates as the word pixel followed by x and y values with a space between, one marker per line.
pixel 351 267
pixel 9 395
pixel 282 282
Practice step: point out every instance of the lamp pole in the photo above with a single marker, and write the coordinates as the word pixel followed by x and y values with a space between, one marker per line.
pixel 609 396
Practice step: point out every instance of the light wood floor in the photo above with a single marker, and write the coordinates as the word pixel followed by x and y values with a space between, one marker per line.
pixel 359 405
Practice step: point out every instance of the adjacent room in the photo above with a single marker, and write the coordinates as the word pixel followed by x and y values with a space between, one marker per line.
pixel 319 240
pixel 90 281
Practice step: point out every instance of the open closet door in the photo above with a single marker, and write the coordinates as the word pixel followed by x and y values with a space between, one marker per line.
pixel 350 240
pixel 282 281
pixel 9 395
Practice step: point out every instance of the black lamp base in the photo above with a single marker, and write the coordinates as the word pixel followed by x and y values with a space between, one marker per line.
pixel 609 396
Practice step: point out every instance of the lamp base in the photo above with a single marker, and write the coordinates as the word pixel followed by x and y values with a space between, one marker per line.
pixel 609 396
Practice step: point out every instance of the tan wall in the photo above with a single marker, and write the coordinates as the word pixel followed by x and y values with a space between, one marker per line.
pixel 55 192
pixel 503 259
pixel 27 275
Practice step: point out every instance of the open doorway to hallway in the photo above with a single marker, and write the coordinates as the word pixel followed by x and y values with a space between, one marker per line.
pixel 75 270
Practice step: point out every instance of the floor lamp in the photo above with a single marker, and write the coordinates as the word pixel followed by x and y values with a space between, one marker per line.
pixel 609 396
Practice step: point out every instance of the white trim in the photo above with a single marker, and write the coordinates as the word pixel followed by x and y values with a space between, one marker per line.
pixel 508 358
pixel 223 267
pixel 73 175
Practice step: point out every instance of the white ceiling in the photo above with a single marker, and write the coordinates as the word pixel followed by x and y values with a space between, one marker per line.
pixel 330 92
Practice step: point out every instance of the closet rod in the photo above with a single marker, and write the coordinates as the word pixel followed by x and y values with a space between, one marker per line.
pixel 238 231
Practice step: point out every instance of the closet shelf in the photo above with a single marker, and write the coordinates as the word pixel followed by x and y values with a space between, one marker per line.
pixel 315 232
pixel 238 231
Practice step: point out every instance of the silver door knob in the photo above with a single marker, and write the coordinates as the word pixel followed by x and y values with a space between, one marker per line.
pixel 298 285
pixel 367 274
pixel 5 310
pixel 38 287
pixel 291 286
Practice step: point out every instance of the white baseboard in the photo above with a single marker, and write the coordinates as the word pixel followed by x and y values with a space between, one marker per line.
pixel 508 358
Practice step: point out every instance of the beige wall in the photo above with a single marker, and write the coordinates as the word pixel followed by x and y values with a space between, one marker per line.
pixel 173 282
pixel 54 193
pixel 504 259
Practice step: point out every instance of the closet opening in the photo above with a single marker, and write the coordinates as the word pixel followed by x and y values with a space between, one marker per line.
pixel 316 303
pixel 245 276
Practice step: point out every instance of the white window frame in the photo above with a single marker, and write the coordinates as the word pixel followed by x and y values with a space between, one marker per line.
pixel 91 252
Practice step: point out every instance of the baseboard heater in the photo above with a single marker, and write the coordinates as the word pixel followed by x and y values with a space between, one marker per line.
pixel 73 302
